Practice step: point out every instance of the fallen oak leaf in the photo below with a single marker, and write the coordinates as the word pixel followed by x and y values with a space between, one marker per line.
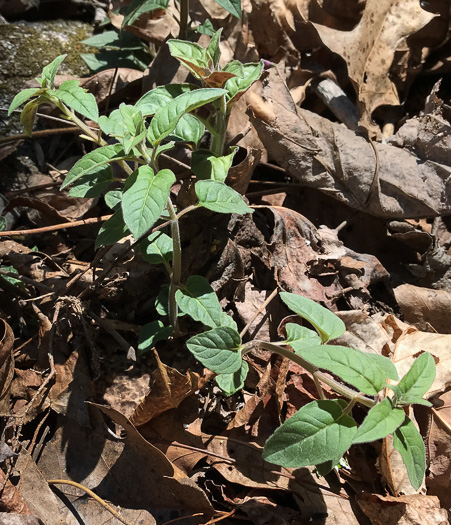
pixel 324 155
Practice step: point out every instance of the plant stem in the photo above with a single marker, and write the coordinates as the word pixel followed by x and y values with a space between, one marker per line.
pixel 335 385
pixel 218 136
pixel 176 268
pixel 184 13
pixel 95 137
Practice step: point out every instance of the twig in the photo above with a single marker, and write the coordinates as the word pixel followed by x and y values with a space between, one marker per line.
pixel 374 188
pixel 104 323
pixel 42 133
pixel 93 495
pixel 27 280
pixel 337 101
pixel 55 227
pixel 258 312
pixel 30 450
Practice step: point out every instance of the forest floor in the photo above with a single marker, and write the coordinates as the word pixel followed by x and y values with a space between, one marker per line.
pixel 345 159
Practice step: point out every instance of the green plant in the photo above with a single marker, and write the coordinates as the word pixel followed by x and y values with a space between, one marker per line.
pixel 322 431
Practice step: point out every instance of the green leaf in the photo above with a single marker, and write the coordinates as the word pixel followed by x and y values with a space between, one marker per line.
pixel 206 28
pixel 93 185
pixel 93 161
pixel 192 56
pixel 131 117
pixel 112 40
pixel 232 6
pixel 188 129
pixel 408 399
pixel 139 7
pixel 166 118
pixel 77 99
pixel 213 48
pixel 112 230
pixel 300 336
pixel 199 301
pixel 216 196
pixel 153 100
pixel 145 200
pixel 159 251
pixel 238 85
pixel 3 224
pixel 217 349
pixel 419 378
pixel 387 366
pixel 236 67
pixel 206 165
pixel 317 433
pixel 117 59
pixel 151 333
pixel 15 282
pixel 381 421
pixel 231 383
pixel 162 301
pixel 409 443
pixel 28 115
pixel 112 125
pixel 113 198
pixel 327 324
pixel 22 97
pixel 349 364
pixel 49 72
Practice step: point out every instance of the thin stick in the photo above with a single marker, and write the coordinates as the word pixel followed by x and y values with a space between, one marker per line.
pixel 259 311
pixel 93 495
pixel 55 227
pixel 42 133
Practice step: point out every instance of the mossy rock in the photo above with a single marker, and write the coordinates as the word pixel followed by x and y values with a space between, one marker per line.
pixel 25 48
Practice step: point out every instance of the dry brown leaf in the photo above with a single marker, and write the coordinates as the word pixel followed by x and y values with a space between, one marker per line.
pixel 8 518
pixel 10 499
pixel 369 49
pixel 439 448
pixel 333 159
pixel 423 306
pixel 250 470
pixel 36 493
pixel 168 389
pixel 6 365
pixel 405 510
pixel 111 83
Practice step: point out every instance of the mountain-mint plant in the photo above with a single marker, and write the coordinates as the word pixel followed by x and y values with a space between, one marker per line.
pixel 321 432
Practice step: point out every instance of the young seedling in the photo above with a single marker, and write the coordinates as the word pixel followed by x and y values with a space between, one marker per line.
pixel 322 431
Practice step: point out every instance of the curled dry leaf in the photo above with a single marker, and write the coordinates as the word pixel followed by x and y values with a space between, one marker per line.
pixel 10 499
pixel 6 365
pixel 408 510
pixel 423 306
pixel 337 161
pixel 370 49
pixel 439 447
pixel 168 389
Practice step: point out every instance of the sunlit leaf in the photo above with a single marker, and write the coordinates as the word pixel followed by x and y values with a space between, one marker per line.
pixel 231 383
pixel 409 443
pixel 77 98
pixel 317 433
pixel 380 421
pixel 166 118
pixel 327 324
pixel 217 349
pixel 206 165
pixel 217 196
pixel 144 201
pixel 93 161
